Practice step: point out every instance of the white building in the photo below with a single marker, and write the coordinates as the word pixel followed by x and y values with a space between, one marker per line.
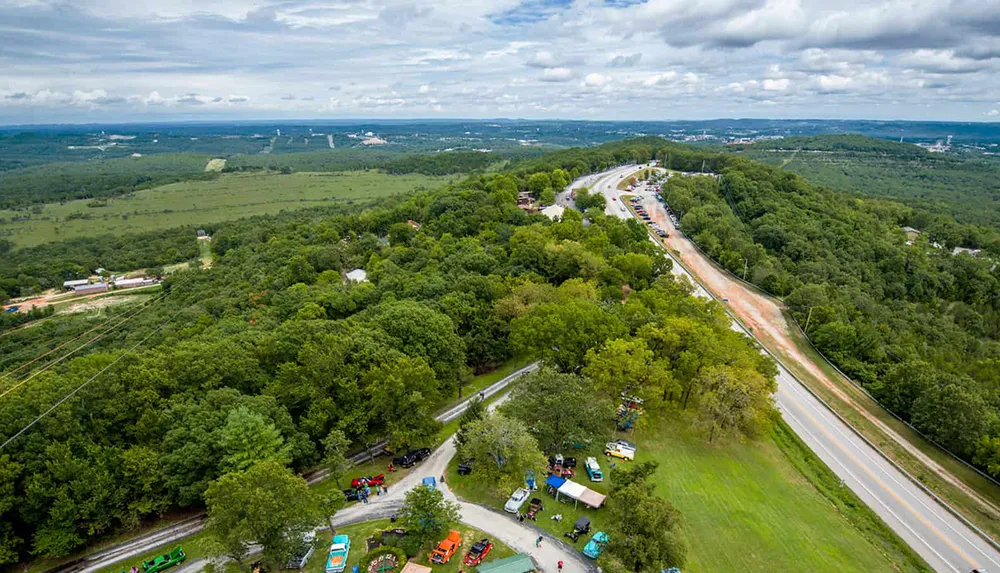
pixel 357 276
pixel 554 211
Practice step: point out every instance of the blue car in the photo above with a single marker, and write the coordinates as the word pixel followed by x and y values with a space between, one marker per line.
pixel 430 482
pixel 596 545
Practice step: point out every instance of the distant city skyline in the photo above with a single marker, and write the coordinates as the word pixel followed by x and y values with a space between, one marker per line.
pixel 97 61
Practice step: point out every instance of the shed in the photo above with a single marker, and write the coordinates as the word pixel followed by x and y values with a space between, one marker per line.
pixel 70 285
pixel 91 289
pixel 519 563
pixel 132 283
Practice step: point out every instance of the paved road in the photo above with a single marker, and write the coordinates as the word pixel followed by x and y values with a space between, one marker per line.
pixel 944 541
pixel 519 536
pixel 172 534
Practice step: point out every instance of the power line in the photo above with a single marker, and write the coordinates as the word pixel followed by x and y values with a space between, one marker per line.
pixel 88 381
pixel 134 312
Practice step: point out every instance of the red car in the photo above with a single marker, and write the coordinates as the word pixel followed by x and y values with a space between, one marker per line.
pixel 368 480
pixel 479 551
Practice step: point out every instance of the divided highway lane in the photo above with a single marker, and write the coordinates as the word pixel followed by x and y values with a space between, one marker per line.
pixel 944 541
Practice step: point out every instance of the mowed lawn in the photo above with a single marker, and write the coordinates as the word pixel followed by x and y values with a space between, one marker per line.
pixel 746 507
pixel 229 197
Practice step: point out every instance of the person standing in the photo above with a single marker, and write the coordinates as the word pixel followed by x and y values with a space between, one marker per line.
pixel 538 542
pixel 560 566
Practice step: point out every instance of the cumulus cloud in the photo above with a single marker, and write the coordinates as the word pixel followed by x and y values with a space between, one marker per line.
pixel 596 80
pixel 775 85
pixel 557 75
pixel 993 113
pixel 622 61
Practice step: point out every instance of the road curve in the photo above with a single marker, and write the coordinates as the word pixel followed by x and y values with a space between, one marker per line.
pixel 945 542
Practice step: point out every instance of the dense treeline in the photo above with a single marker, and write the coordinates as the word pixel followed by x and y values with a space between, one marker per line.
pixel 964 188
pixel 58 182
pixel 914 324
pixel 269 355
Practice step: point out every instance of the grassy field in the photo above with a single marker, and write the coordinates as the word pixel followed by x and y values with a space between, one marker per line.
pixel 228 197
pixel 765 506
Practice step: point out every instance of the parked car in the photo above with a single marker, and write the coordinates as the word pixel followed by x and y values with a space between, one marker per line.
pixel 618 450
pixel 430 481
pixel 301 556
pixel 516 500
pixel 368 480
pixel 594 470
pixel 352 495
pixel 479 551
pixel 337 560
pixel 596 545
pixel 412 457
pixel 443 552
pixel 165 561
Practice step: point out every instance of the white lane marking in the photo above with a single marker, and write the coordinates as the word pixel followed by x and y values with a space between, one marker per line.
pixel 836 459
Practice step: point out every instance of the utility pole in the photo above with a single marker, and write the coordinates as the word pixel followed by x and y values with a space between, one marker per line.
pixel 808 317
pixel 745 264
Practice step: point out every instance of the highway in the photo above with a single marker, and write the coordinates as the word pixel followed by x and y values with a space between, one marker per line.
pixel 945 542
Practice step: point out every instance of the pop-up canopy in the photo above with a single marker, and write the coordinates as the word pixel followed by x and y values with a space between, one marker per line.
pixel 578 492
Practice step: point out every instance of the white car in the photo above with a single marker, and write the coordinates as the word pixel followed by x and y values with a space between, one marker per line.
pixel 620 449
pixel 516 500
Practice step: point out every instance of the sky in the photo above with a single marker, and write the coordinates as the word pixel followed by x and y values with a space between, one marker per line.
pixel 133 60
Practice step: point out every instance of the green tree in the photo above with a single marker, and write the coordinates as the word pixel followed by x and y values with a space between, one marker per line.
pixel 539 182
pixel 475 410
pixel 504 450
pixel 559 179
pixel 249 438
pixel 737 400
pixel 627 366
pixel 547 197
pixel 645 529
pixel 559 409
pixel 401 234
pixel 426 515
pixel 399 400
pixel 335 449
pixel 266 504
pixel 561 334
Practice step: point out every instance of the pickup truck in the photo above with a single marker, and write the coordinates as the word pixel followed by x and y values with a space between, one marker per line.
pixel 442 554
pixel 594 470
pixel 337 560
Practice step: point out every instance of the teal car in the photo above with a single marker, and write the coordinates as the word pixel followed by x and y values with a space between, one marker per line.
pixel 339 549
pixel 596 545
pixel 165 561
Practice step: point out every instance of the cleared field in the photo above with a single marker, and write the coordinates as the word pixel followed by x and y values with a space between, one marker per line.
pixel 231 196
pixel 767 506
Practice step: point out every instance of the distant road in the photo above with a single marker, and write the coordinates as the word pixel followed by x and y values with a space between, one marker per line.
pixel 945 542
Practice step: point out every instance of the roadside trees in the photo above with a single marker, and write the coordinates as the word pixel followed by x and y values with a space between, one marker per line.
pixel 503 449
pixel 266 504
pixel 558 408
pixel 425 514
pixel 644 528
pixel 335 460
pixel 737 400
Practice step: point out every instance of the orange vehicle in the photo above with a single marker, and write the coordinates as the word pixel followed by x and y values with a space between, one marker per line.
pixel 447 548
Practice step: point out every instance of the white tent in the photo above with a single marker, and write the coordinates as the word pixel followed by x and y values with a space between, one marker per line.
pixel 553 212
pixel 578 493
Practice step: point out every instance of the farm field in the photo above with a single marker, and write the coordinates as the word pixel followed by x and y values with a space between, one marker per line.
pixel 228 197
pixel 746 506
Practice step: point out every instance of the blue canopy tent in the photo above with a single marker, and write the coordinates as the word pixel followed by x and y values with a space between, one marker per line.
pixel 554 481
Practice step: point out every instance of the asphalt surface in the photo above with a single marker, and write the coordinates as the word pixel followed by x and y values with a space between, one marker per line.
pixel 944 541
